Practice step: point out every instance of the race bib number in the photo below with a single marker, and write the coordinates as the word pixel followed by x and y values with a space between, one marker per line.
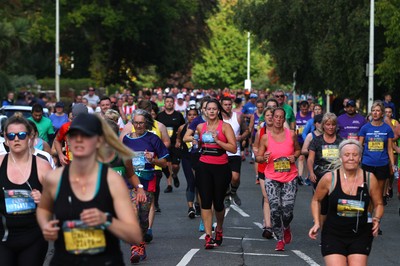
pixel 170 131
pixel 300 129
pixel 350 208
pixel 139 160
pixel 19 201
pixel 330 151
pixel 375 144
pixel 82 239
pixel 352 136
pixel 207 137
pixel 282 165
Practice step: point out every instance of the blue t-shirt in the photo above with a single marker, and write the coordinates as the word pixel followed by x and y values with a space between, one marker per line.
pixel 249 108
pixel 151 143
pixel 375 144
pixel 58 121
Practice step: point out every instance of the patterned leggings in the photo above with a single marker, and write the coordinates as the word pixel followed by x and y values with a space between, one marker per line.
pixel 143 210
pixel 281 198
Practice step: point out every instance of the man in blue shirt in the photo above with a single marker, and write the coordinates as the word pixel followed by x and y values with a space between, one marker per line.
pixel 388 103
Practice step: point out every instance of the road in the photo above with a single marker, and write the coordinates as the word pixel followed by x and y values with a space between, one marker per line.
pixel 177 240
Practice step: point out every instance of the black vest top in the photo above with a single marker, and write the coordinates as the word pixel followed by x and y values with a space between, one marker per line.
pixel 68 207
pixel 348 215
pixel 18 224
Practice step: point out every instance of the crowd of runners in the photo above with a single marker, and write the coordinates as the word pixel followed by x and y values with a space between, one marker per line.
pixel 88 173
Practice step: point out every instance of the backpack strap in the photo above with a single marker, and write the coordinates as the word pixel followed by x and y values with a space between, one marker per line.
pixel 332 182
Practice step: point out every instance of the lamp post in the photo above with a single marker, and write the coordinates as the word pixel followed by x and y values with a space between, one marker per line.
pixel 57 67
pixel 247 82
pixel 371 56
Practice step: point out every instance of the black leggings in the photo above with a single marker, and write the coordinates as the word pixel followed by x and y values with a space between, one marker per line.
pixel 18 253
pixel 188 171
pixel 212 181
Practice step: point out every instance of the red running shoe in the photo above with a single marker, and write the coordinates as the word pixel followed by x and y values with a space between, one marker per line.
pixel 287 235
pixel 218 237
pixel 280 246
pixel 210 243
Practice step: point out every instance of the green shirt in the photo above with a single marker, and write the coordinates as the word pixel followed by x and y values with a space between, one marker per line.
pixel 290 118
pixel 45 128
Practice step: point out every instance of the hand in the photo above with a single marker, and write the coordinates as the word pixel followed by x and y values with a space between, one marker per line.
pixel 375 227
pixel 177 144
pixel 93 217
pixel 292 159
pixel 63 159
pixel 266 156
pixel 50 230
pixel 36 195
pixel 214 135
pixel 140 195
pixel 148 155
pixel 313 178
pixel 313 233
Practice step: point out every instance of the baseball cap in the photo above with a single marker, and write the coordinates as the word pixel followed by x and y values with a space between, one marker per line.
pixel 89 124
pixel 351 103
pixel 59 104
pixel 179 96
pixel 79 108
pixel 253 96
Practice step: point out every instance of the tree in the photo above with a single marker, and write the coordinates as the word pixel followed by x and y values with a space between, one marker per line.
pixel 223 62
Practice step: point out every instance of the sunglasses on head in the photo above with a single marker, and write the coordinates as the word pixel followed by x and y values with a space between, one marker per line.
pixel 191 107
pixel 21 135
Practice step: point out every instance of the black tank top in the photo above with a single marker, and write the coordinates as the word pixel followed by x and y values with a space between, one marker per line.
pixel 67 207
pixel 348 215
pixel 17 208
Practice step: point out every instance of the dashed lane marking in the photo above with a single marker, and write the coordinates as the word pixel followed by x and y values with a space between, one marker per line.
pixel 250 254
pixel 188 257
pixel 306 258
pixel 203 236
pixel 240 228
pixel 259 225
pixel 239 210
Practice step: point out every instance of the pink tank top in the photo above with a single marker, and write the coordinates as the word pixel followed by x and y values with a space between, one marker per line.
pixel 278 167
pixel 209 144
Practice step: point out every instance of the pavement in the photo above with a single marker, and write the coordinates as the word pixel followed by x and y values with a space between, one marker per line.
pixel 177 240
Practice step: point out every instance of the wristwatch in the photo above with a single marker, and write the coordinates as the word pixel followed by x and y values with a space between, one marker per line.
pixel 139 186
pixel 108 221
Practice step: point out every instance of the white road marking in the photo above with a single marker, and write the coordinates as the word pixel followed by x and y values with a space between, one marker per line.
pixel 306 258
pixel 188 256
pixel 259 225
pixel 203 236
pixel 239 210
pixel 227 211
pixel 240 228
pixel 250 254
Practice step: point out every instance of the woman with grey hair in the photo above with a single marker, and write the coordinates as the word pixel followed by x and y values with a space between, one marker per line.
pixel 377 139
pixel 348 231
pixel 149 151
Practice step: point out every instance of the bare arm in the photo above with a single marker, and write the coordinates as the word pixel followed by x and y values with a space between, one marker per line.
pixel 58 146
pixel 310 166
pixel 230 136
pixel 376 196
pixel 126 130
pixel 306 144
pixel 164 135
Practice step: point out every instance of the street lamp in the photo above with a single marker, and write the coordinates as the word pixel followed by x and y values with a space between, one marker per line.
pixel 57 68
pixel 371 56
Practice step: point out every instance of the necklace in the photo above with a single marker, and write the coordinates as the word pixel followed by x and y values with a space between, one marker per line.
pixel 83 187
pixel 23 174
pixel 354 183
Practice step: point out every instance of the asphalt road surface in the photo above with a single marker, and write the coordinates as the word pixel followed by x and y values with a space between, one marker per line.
pixel 177 240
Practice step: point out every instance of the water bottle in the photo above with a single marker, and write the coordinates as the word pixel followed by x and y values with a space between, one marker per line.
pixel 196 138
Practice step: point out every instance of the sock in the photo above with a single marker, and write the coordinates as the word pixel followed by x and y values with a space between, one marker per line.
pixel 234 188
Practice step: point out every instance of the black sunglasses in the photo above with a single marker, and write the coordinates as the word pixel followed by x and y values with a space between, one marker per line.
pixel 21 135
pixel 279 96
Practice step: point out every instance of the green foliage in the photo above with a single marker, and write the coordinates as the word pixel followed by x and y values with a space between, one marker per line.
pixel 5 85
pixel 223 63
pixel 66 84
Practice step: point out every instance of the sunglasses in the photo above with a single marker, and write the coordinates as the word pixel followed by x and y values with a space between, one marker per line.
pixel 21 135
pixel 279 96
pixel 191 107
pixel 138 123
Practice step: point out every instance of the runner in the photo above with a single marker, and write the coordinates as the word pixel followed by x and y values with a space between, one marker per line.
pixel 350 123
pixel 279 149
pixel 234 159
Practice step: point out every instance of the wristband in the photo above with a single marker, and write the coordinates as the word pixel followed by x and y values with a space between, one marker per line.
pixel 108 221
pixel 377 219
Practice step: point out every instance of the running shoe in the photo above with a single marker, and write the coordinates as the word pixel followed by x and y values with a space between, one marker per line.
pixel 227 202
pixel 191 213
pixel 176 181
pixel 168 189
pixel 236 199
pixel 243 158
pixel 280 246
pixel 157 208
pixel 287 235
pixel 210 243
pixel 218 237
pixel 148 237
pixel 138 253
pixel 201 226
pixel 267 233
pixel 198 209
pixel 300 180
pixel 307 182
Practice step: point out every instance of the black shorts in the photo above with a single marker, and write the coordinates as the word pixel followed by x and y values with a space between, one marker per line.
pixel 353 244
pixel 381 172
pixel 174 155
pixel 235 162
pixel 261 176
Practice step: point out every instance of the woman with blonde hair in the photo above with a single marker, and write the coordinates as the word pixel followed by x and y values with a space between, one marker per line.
pixel 85 206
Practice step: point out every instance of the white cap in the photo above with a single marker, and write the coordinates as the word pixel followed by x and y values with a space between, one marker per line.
pixel 179 96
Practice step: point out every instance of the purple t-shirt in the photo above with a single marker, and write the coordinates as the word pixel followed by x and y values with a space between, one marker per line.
pixel 197 121
pixel 300 123
pixel 350 126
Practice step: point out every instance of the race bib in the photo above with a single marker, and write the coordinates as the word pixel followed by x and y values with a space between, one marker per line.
pixel 281 165
pixel 300 129
pixel 19 201
pixel 170 131
pixel 330 151
pixel 350 208
pixel 207 137
pixel 82 239
pixel 139 160
pixel 375 144
pixel 352 136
